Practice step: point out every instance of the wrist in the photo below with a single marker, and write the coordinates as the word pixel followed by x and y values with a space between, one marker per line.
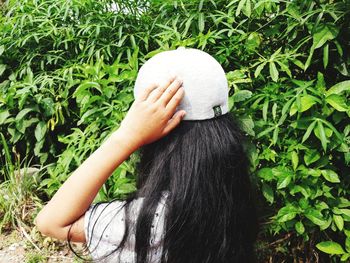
pixel 125 139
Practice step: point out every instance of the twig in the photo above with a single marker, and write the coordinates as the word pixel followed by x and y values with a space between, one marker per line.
pixel 280 240
pixel 29 238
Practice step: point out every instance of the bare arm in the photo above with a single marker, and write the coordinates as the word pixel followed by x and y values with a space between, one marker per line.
pixel 150 117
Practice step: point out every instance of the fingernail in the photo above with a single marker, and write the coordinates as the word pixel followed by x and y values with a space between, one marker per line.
pixel 183 115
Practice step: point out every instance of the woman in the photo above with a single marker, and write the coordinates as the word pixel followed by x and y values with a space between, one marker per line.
pixel 193 201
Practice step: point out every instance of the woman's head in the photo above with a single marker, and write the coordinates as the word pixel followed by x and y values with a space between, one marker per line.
pixel 211 215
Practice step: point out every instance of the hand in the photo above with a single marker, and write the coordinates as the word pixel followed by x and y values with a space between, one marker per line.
pixel 151 116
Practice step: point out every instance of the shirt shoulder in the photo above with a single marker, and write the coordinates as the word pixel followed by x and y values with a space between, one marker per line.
pixel 104 227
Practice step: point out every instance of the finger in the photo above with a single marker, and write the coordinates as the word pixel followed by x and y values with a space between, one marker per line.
pixel 146 92
pixel 175 101
pixel 170 91
pixel 154 96
pixel 174 121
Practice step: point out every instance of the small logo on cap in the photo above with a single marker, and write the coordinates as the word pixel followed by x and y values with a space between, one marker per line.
pixel 217 111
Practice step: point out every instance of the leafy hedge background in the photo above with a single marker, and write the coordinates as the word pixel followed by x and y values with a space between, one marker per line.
pixel 67 69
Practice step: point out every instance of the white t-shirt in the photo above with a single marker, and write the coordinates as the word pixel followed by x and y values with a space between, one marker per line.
pixel 106 225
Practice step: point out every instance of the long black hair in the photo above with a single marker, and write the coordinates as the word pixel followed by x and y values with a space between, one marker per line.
pixel 211 215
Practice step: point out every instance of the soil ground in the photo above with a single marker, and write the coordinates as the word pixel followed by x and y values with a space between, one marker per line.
pixel 16 248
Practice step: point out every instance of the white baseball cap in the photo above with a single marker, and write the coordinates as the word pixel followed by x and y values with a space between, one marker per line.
pixel 204 81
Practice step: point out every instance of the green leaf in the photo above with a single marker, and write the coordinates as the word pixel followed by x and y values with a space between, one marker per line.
pixel 325 55
pixel 48 106
pixel 311 156
pixel 240 6
pixel 6 153
pixel 314 173
pixel 264 109
pixel 284 182
pixel 347 244
pixel 308 131
pixel 248 8
pixel 336 211
pixel 38 146
pixel 306 102
pixel 237 76
pixel 201 22
pixel 330 176
pixel 315 217
pixel 253 41
pixel 323 34
pixel 23 113
pixel 294 11
pixel 285 68
pixel 286 213
pixel 40 130
pixel 347 233
pixel 332 128
pixel 200 5
pixel 293 109
pixel 339 48
pixel 330 247
pixel 345 212
pixel 275 135
pixel 2 69
pixel 309 59
pixel 287 217
pixel 3 116
pixel 320 84
pixel 322 134
pixel 273 71
pixel 337 102
pixel 258 69
pixel 241 95
pixel 326 224
pixel 231 102
pixel 339 222
pixel 328 132
pixel 2 49
pixel 299 227
pixel 268 193
pixel 266 131
pixel 87 114
pixel 266 174
pixel 295 160
pixel 274 55
pixel 298 63
pixel 339 88
pixel 345 257
pixel 274 110
pixel 344 202
pixel 247 125
pixel 281 171
pixel 299 189
pixel 86 84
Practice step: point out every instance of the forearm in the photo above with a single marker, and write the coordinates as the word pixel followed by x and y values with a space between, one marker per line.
pixel 77 193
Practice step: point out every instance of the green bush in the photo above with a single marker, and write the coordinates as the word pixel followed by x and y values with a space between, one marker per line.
pixel 67 70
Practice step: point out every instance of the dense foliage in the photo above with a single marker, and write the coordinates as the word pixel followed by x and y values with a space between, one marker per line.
pixel 67 69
